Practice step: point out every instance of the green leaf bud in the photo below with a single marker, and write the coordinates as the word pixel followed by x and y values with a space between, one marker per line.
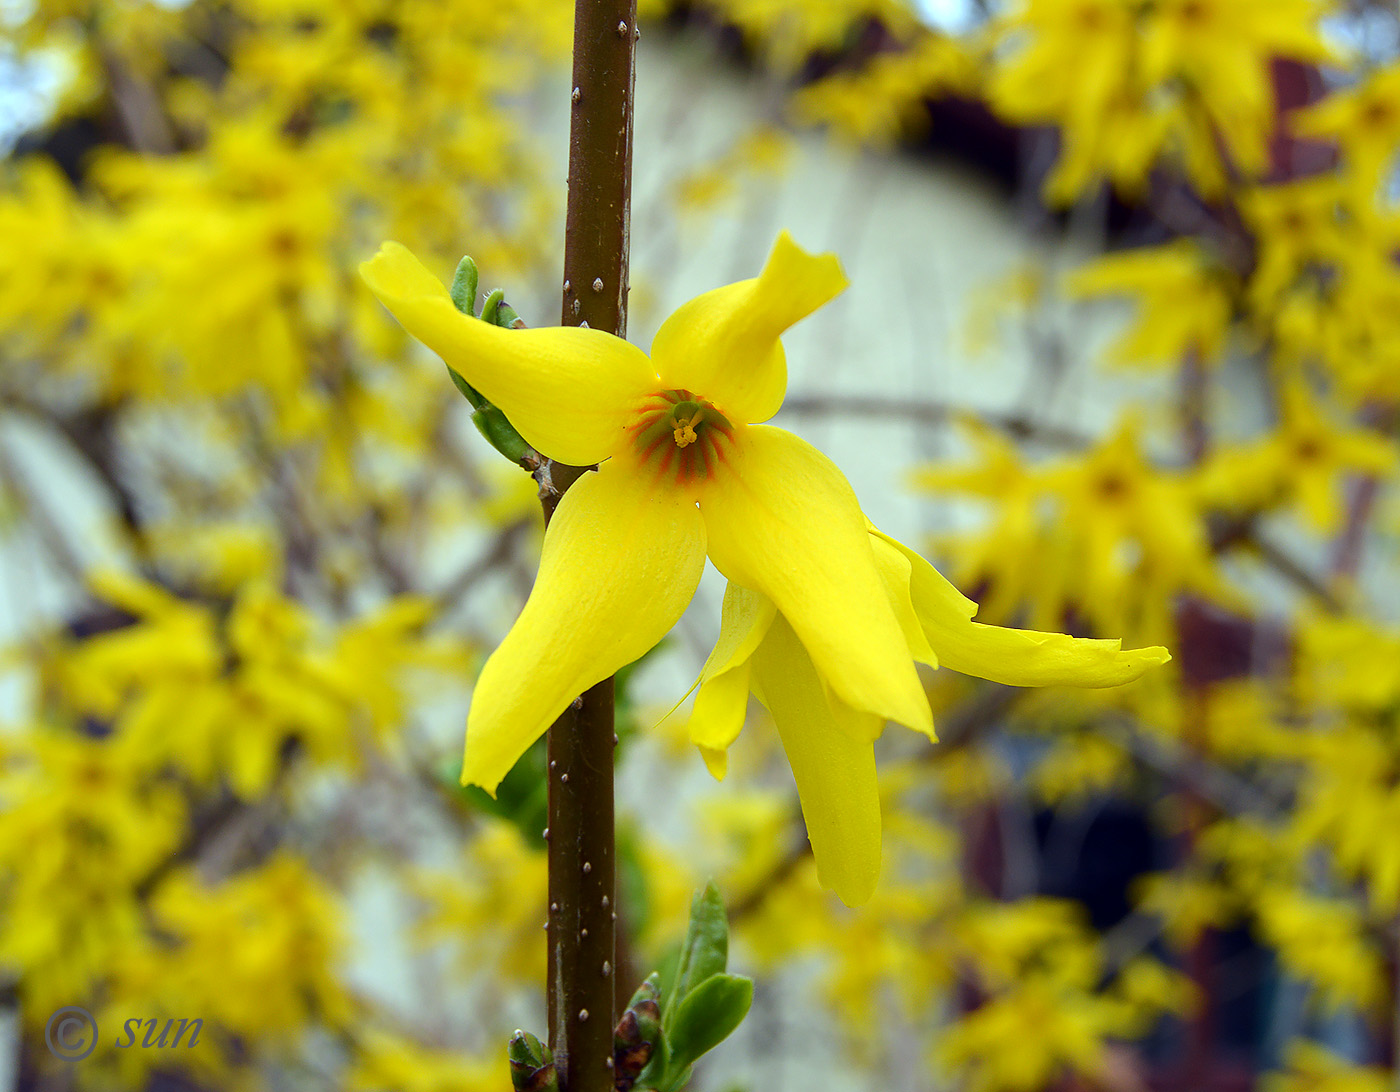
pixel 492 305
pixel 531 1064
pixel 464 283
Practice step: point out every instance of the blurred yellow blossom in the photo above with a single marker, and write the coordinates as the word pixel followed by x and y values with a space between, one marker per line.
pixel 1130 82
pixel 1183 303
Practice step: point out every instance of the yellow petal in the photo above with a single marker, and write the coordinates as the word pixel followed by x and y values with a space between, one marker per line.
pixel 895 572
pixel 718 717
pixel 782 520
pixel 621 561
pixel 1025 657
pixel 723 700
pixel 832 762
pixel 929 589
pixel 724 344
pixel 744 619
pixel 1017 657
pixel 717 762
pixel 135 595
pixel 569 392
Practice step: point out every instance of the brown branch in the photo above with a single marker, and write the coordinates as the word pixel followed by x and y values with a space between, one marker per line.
pixel 1346 559
pixel 1244 533
pixel 137 106
pixel 1195 435
pixel 582 885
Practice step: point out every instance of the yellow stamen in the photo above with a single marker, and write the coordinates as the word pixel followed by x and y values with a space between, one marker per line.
pixel 684 432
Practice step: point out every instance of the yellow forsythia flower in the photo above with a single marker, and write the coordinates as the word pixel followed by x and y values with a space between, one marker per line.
pixel 832 613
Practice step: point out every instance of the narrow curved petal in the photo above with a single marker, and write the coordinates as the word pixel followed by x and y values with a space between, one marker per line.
pixel 720 706
pixel 832 762
pixel 718 717
pixel 724 344
pixel 781 519
pixel 928 588
pixel 1017 657
pixel 895 572
pixel 568 391
pixel 1026 657
pixel 621 561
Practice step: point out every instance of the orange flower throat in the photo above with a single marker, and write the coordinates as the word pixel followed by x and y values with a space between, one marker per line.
pixel 680 434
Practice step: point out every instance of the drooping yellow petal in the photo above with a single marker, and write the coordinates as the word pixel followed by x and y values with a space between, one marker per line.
pixel 1025 657
pixel 718 717
pixel 895 572
pixel 1017 657
pixel 782 520
pixel 833 765
pixel 569 392
pixel 928 588
pixel 718 714
pixel 744 618
pixel 724 344
pixel 621 561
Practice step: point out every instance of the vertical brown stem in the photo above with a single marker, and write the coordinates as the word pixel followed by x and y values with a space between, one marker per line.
pixel 1193 406
pixel 581 892
pixel 600 165
pixel 1346 556
pixel 582 887
pixel 1390 1037
pixel 1198 1059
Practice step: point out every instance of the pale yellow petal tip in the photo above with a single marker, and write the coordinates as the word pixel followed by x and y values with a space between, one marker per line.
pixel 386 257
pixel 1131 665
pixel 394 273
pixel 853 882
pixel 819 276
pixel 716 761
pixel 914 712
pixel 1154 656
pixel 474 774
pixel 487 786
pixel 924 726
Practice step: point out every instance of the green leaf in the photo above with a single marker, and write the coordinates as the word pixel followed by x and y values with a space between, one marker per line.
pixel 707 1016
pixel 489 419
pixel 706 948
pixel 492 305
pixel 676 1081
pixel 464 283
pixel 500 433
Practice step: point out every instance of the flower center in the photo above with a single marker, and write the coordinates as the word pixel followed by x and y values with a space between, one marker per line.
pixel 677 433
